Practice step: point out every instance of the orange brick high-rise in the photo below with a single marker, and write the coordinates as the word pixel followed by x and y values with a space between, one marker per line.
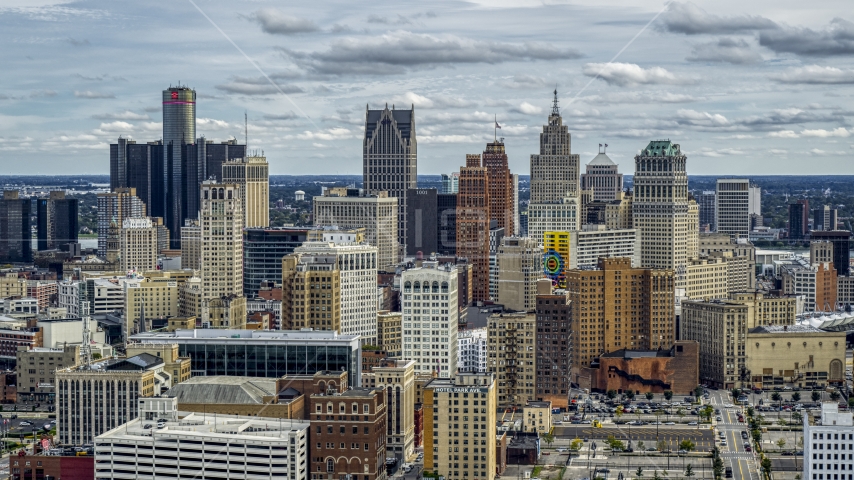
pixel 473 224
pixel 500 187
pixel 617 306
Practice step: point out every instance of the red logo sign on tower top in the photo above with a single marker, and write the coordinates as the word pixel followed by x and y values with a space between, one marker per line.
pixel 174 95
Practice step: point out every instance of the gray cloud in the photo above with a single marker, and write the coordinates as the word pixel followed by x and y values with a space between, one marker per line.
pixel 836 39
pixel 400 20
pixel 77 43
pixel 341 28
pixel 629 74
pixel 256 89
pixel 277 23
pixel 725 50
pixel 395 52
pixel 43 94
pixel 525 82
pixel 260 85
pixel 690 19
pixel 93 95
pixel 281 116
pixel 640 97
pixel 126 115
pixel 789 116
pixel 816 75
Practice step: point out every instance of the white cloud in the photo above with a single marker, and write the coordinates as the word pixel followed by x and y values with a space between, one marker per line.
pixel 528 109
pixel 93 95
pixel 777 151
pixel 839 132
pixel 815 74
pixel 212 123
pixel 694 117
pixel 126 115
pixel 117 126
pixel 783 134
pixel 630 74
pixel 335 133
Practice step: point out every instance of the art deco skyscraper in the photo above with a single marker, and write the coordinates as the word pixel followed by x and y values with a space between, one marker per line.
pixel 253 176
pixel 115 207
pixel 603 178
pixel 500 186
pixel 554 204
pixel 389 157
pixel 555 171
pixel 661 208
pixel 179 129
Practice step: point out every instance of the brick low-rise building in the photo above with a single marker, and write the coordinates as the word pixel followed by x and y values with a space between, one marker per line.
pixel 676 369
pixel 348 435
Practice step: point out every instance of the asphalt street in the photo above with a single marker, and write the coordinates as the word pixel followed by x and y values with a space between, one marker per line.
pixel 743 463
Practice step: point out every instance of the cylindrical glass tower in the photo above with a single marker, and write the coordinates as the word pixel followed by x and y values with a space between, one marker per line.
pixel 179 128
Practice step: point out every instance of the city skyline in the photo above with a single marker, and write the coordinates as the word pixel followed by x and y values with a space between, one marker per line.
pixel 737 89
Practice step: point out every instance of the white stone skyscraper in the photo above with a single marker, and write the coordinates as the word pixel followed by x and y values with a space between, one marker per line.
pixel 554 203
pixel 221 222
pixel 661 209
pixel 603 178
pixel 389 157
pixel 430 315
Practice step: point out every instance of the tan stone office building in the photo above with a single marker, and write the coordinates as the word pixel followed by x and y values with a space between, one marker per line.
pixel 511 356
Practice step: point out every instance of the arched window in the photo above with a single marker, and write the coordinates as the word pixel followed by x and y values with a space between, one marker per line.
pixel 330 465
pixel 407 287
pixel 444 287
pixel 417 288
pixel 221 193
pixel 435 287
pixel 213 194
pixel 206 194
pixel 835 370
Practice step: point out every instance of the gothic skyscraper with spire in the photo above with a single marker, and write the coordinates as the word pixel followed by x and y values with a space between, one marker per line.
pixel 389 157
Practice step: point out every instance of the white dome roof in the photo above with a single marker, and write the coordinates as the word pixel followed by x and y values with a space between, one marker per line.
pixel 601 159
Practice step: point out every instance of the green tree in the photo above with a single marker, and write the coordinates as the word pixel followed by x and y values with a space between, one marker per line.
pixel 706 412
pixel 757 436
pixel 687 445
pixel 639 473
pixel 656 476
pixel 815 396
pixel 614 443
pixel 776 397
pixel 612 394
pixel 834 395
pixel 689 471
pixel 618 412
pixel 681 413
pixel 630 394
pixel 576 444
pixel 796 396
pixel 718 467
pixel 641 445
pixel 781 443
pixel 750 411
pixel 851 401
pixel 766 466
pixel 662 446
pixel 668 395
pixel 782 422
pixel 649 395
pixel 735 393
pixel 698 391
pixel 549 438
pixel 797 417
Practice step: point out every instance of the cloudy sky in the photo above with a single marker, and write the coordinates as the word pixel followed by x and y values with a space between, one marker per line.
pixel 757 87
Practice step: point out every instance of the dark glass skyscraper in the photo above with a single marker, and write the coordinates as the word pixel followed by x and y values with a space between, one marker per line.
pixel 15 234
pixel 179 129
pixel 139 166
pixel 57 221
pixel 421 225
pixel 841 240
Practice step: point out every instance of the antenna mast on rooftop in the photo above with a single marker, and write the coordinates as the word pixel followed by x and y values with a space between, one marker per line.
pixel 246 130
pixel 86 351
